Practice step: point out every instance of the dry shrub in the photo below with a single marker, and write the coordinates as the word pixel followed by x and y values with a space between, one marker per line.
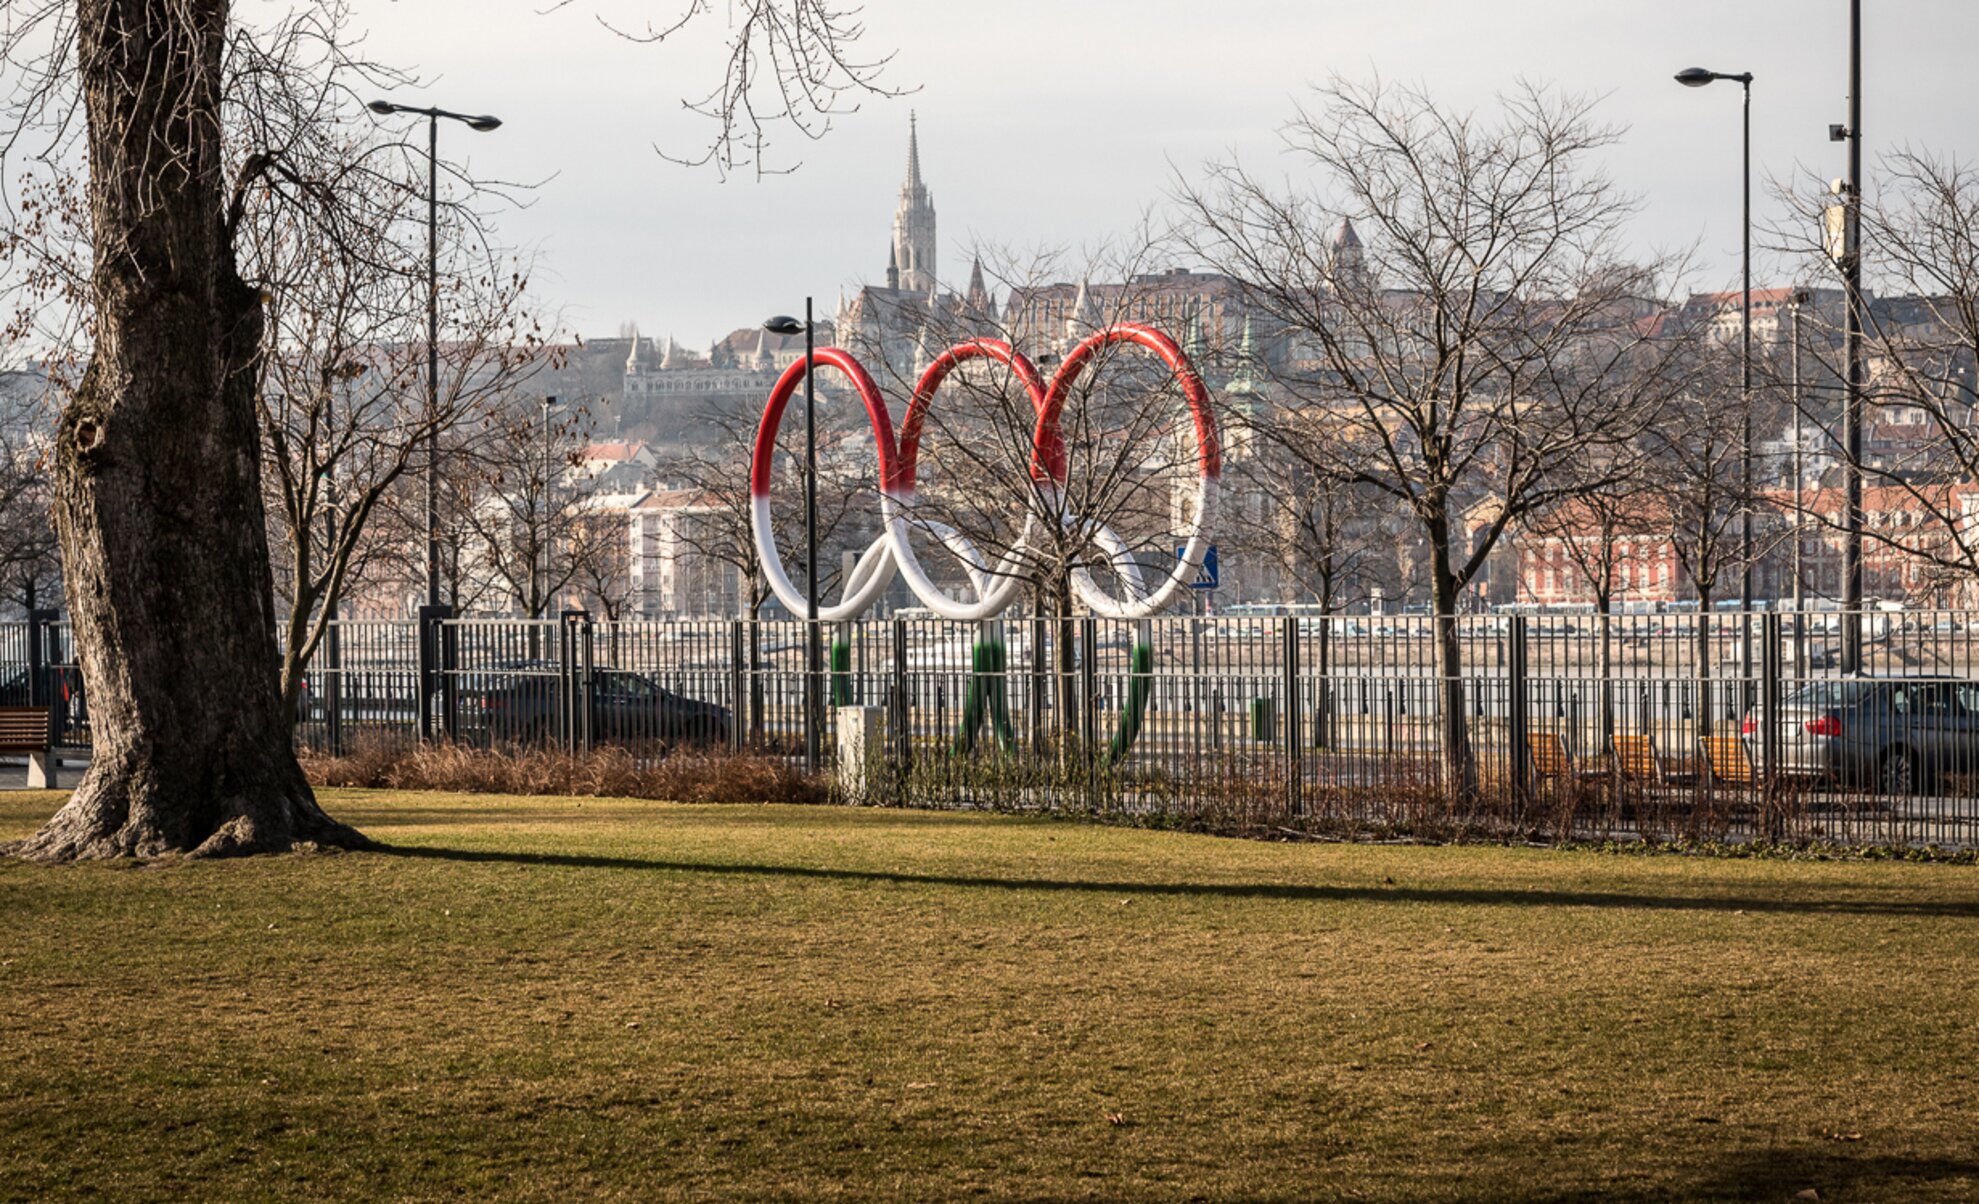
pixel 367 764
pixel 684 775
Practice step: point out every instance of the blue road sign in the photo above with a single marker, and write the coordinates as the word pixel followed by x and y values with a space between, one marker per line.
pixel 1206 576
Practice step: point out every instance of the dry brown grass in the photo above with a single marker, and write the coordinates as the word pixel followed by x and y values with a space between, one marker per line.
pixel 681 775
pixel 581 998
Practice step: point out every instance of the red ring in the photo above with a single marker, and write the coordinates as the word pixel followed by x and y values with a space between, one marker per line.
pixel 924 390
pixel 763 460
pixel 1209 451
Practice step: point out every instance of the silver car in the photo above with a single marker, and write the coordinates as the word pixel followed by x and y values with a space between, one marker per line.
pixel 1898 736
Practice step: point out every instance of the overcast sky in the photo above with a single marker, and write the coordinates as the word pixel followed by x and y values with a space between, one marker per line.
pixel 1056 124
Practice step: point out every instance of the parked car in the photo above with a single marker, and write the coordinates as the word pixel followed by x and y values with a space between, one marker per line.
pixel 1898 736
pixel 519 702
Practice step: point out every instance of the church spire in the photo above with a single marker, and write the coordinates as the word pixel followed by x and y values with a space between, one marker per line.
pixel 893 266
pixel 976 303
pixel 914 223
pixel 913 153
pixel 1085 311
pixel 1243 383
pixel 1192 342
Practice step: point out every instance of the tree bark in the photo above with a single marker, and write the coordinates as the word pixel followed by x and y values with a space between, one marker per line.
pixel 1459 764
pixel 158 497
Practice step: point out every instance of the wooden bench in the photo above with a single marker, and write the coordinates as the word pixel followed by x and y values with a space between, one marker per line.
pixel 1551 761
pixel 1637 760
pixel 1724 757
pixel 24 732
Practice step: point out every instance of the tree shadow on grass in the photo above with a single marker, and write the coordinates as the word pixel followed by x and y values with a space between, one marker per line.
pixel 1780 1173
pixel 1490 897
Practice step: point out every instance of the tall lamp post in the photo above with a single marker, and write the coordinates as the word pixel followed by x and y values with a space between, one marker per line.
pixel 1851 265
pixel 1697 77
pixel 813 638
pixel 543 553
pixel 483 123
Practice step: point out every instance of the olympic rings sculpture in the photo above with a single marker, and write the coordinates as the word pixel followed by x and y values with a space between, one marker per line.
pixel 995 587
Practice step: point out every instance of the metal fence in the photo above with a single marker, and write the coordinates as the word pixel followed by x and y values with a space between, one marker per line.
pixel 1697 726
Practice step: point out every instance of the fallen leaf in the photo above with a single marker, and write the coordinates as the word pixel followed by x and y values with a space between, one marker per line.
pixel 632 1024
pixel 1116 1119
pixel 1809 1194
pixel 919 1086
pixel 1422 1045
pixel 1844 1137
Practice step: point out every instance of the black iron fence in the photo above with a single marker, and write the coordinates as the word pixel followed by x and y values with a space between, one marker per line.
pixel 1699 725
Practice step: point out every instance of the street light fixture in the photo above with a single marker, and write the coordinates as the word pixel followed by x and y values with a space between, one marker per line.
pixel 1697 77
pixel 783 324
pixel 482 123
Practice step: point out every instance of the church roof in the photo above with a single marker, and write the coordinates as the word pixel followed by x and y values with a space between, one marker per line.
pixel 745 340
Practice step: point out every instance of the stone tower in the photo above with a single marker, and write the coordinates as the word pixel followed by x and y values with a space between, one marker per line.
pixel 914 225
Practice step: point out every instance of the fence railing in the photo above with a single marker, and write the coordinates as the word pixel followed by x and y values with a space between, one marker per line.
pixel 1701 725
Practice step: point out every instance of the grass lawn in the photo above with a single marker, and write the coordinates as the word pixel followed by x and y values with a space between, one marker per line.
pixel 587 998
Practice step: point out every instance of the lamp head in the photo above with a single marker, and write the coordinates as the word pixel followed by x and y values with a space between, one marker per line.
pixel 784 324
pixel 1695 77
pixel 383 108
pixel 484 123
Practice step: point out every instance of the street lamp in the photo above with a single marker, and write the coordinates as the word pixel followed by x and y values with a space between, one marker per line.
pixel 543 553
pixel 1697 77
pixel 1851 256
pixel 1799 298
pixel 482 123
pixel 813 650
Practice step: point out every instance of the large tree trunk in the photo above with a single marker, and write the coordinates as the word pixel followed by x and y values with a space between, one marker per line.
pixel 1459 763
pixel 158 497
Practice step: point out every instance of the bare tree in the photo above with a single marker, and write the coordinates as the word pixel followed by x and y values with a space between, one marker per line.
pixel 530 507
pixel 1696 473
pixel 1324 538
pixel 30 561
pixel 601 550
pixel 158 492
pixel 157 497
pixel 790 64
pixel 343 403
pixel 1920 460
pixel 712 521
pixel 1599 532
pixel 1468 314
